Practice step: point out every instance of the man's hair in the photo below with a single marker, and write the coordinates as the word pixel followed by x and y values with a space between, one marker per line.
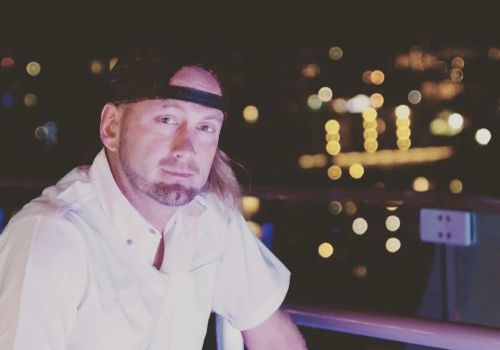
pixel 222 180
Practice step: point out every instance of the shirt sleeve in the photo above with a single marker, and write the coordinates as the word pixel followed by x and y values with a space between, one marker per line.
pixel 42 278
pixel 252 283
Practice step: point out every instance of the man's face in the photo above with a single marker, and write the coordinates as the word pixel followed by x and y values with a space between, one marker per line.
pixel 166 147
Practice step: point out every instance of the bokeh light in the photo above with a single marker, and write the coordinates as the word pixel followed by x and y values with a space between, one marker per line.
pixel 332 126
pixel 96 66
pixel 33 68
pixel 7 63
pixel 421 184
pixel 393 245
pixel 335 207
pixel 314 102
pixel 30 100
pixel 334 172
pixel 392 223
pixel 356 171
pixel 325 250
pixel 335 53
pixel 376 100
pixel 325 94
pixel 377 77
pixel 359 226
pixel 251 114
pixel 483 136
pixel 456 186
pixel 350 208
pixel 414 97
pixel 250 205
pixel 402 111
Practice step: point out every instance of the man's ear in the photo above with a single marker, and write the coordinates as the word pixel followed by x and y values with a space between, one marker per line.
pixel 110 126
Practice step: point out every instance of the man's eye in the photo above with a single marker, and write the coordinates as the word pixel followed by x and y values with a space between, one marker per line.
pixel 167 120
pixel 207 128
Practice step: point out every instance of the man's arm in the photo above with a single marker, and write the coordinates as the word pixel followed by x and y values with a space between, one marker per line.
pixel 277 332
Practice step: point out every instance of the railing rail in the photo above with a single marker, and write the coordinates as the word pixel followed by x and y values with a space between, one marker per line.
pixel 466 202
pixel 412 330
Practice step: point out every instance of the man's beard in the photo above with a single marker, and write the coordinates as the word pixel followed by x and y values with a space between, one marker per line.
pixel 164 193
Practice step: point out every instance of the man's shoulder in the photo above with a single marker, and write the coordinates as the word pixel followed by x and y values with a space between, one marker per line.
pixel 71 192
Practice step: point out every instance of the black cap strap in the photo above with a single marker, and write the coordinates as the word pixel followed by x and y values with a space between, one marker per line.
pixel 193 95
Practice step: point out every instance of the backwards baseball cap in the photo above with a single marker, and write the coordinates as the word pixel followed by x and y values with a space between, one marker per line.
pixel 147 76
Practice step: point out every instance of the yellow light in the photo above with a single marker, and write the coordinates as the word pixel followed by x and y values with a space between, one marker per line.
pixel 369 124
pixel 456 75
pixel 96 67
pixel 251 114
pixel 403 144
pixel 366 77
pixel 376 100
pixel 414 97
pixel 371 145
pixel 438 126
pixel 332 137
pixel 112 62
pixel 325 250
pixel 251 205
pixel 369 114
pixel 310 70
pixel 314 102
pixel 483 136
pixel 392 223
pixel 335 207
pixel 332 126
pixel 393 245
pixel 456 121
pixel 403 133
pixel 360 271
pixel 359 226
pixel 458 62
pixel 391 208
pixel 334 172
pixel 255 228
pixel 320 160
pixel 356 171
pixel 339 105
pixel 335 53
pixel 350 208
pixel 306 161
pixel 370 134
pixel 325 94
pixel 403 123
pixel 456 186
pixel 377 77
pixel 33 68
pixel 402 111
pixel 421 184
pixel 30 100
pixel 333 148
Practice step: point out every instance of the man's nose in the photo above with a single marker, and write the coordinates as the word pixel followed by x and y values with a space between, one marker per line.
pixel 182 143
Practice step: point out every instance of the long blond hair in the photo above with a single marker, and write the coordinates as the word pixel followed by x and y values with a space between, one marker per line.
pixel 222 180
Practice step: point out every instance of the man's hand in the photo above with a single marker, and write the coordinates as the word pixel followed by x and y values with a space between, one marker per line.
pixel 277 332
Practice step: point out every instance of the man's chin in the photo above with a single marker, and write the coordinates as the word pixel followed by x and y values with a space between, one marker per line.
pixel 173 195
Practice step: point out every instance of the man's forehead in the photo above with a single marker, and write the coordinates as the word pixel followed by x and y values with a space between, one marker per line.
pixel 196 78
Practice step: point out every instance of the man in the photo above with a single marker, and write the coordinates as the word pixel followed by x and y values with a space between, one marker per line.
pixel 135 251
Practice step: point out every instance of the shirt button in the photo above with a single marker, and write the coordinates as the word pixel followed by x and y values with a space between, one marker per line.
pixel 129 241
pixel 152 231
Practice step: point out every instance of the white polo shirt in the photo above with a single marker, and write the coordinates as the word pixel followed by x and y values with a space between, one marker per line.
pixel 76 271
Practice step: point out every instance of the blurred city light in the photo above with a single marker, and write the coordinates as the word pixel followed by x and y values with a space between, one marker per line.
pixel 421 184
pixel 393 245
pixel 325 94
pixel 30 100
pixel 325 250
pixel 456 186
pixel 356 171
pixel 359 226
pixel 251 114
pixel 392 223
pixel 414 97
pixel 314 102
pixel 250 205
pixel 483 136
pixel 376 100
pixel 33 68
pixel 377 77
pixel 335 53
pixel 311 70
pixel 335 207
pixel 334 172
